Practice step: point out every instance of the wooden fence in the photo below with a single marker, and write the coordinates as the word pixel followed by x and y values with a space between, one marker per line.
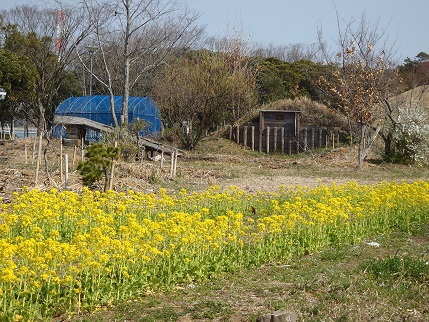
pixel 281 140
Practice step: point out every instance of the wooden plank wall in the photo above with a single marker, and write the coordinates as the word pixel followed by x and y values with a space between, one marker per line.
pixel 281 139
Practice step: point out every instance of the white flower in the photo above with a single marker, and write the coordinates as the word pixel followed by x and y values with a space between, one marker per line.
pixel 374 244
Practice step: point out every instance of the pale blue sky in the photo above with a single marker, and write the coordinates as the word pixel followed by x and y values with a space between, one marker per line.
pixel 284 22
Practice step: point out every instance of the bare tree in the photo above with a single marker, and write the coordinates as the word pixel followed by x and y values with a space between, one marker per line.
pixel 101 49
pixel 48 37
pixel 287 53
pixel 135 36
pixel 361 78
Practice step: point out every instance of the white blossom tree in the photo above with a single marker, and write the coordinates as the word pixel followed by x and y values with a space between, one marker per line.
pixel 411 134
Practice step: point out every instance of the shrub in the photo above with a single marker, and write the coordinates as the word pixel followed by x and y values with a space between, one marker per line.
pixel 98 164
pixel 411 135
pixel 127 138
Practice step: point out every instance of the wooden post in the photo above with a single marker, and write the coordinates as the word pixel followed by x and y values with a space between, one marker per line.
pixel 34 149
pixel 297 133
pixel 83 149
pixel 237 139
pixel 230 134
pixel 61 159
pixel 333 141
pixel 275 139
pixel 290 146
pixel 172 163
pixel 161 164
pixel 245 135
pixel 268 139
pixel 74 154
pixel 261 129
pixel 282 131
pixel 66 171
pixel 312 138
pixel 112 170
pixel 253 138
pixel 25 153
pixel 175 162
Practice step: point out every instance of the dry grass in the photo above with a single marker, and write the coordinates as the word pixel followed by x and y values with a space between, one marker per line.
pixel 216 161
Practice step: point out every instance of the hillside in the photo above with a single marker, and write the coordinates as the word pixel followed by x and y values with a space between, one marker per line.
pixel 419 94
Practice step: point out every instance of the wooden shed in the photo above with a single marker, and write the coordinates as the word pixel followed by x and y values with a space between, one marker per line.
pixel 278 131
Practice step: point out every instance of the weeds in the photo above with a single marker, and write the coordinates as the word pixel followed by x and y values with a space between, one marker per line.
pixel 399 269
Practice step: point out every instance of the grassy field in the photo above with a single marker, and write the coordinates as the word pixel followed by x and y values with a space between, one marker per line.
pixel 382 276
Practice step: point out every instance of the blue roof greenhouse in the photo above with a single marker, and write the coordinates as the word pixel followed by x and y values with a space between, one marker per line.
pixel 94 113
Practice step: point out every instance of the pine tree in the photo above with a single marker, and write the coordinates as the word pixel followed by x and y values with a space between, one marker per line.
pixel 98 164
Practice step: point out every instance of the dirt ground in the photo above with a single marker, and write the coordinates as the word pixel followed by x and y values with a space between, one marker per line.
pixel 217 162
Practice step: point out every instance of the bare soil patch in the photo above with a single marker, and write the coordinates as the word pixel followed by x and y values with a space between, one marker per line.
pixel 217 161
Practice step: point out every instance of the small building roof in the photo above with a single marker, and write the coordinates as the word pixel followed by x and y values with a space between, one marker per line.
pixel 87 123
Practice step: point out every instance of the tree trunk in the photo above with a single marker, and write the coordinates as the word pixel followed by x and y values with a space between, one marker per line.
pixel 112 108
pixel 39 152
pixel 366 149
pixel 112 170
pixel 388 146
pixel 361 144
pixel 40 132
pixel 12 128
pixel 126 92
pixel 106 180
pixel 126 71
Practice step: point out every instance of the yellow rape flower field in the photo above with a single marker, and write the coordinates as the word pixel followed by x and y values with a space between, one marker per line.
pixel 65 252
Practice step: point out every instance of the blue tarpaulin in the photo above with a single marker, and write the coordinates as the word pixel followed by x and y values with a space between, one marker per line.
pixel 97 108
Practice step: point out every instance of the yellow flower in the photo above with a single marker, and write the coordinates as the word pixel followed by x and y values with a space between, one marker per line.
pixel 7 275
pixel 36 230
pixel 26 220
pixel 11 219
pixel 4 229
pixel 18 318
pixel 54 234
